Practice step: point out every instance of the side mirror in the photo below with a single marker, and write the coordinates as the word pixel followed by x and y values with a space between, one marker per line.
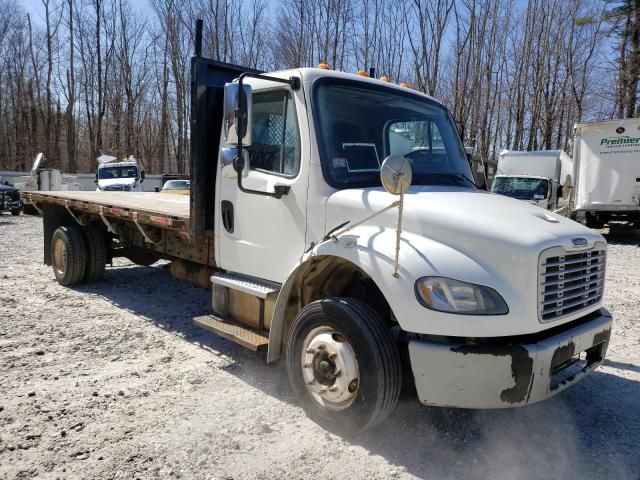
pixel 237 114
pixel 396 174
pixel 229 162
pixel 142 176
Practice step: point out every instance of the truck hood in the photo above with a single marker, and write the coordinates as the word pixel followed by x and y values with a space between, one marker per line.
pixel 461 218
pixel 468 235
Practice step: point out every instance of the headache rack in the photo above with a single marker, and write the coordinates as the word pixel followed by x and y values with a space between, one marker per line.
pixel 569 281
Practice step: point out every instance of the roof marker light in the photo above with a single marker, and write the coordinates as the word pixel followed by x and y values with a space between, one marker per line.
pixel 323 66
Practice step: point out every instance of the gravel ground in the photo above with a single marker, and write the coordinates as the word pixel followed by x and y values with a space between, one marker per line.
pixel 111 380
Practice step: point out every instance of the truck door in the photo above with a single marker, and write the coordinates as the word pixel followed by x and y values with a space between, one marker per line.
pixel 257 235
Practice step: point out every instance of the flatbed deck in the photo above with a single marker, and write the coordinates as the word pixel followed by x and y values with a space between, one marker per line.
pixel 162 210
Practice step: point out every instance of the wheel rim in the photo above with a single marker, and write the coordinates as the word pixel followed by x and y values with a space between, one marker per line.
pixel 59 256
pixel 330 368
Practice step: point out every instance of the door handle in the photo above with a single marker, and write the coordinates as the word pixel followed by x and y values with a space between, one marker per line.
pixel 226 211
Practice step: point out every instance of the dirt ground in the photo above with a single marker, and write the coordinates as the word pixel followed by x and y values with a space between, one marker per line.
pixel 111 380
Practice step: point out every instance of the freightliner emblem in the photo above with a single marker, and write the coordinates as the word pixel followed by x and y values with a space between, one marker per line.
pixel 579 242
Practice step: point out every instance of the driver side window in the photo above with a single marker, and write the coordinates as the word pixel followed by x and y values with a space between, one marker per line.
pixel 275 138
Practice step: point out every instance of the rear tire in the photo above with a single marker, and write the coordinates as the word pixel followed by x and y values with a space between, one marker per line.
pixel 96 253
pixel 16 211
pixel 68 255
pixel 330 336
pixel 592 221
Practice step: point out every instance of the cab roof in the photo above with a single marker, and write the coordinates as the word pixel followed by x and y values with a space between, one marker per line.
pixel 309 75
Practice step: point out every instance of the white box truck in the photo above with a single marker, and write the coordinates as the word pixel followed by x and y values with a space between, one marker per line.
pixel 293 222
pixel 542 178
pixel 123 176
pixel 607 171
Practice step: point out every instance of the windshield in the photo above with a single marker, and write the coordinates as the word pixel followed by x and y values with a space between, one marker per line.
pixel 118 172
pixel 177 185
pixel 522 188
pixel 359 126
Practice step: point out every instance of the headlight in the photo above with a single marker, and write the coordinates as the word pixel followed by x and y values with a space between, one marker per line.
pixel 453 296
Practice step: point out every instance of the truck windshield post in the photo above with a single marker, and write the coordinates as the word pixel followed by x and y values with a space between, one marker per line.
pixel 238 162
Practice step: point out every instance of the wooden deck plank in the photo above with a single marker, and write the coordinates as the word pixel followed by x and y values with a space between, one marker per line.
pixel 163 204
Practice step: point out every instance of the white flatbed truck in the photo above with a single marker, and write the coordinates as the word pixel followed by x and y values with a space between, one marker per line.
pixel 488 302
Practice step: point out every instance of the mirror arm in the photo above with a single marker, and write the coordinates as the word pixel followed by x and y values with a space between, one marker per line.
pixel 278 190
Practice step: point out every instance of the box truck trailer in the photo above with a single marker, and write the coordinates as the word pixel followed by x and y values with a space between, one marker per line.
pixel 347 253
pixel 607 172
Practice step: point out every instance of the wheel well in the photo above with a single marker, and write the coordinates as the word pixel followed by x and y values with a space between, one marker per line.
pixel 55 216
pixel 330 276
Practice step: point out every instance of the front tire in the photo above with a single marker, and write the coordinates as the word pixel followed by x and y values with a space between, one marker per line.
pixel 68 255
pixel 343 365
pixel 16 211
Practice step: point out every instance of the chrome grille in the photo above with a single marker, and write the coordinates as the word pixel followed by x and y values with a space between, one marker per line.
pixel 570 282
pixel 117 188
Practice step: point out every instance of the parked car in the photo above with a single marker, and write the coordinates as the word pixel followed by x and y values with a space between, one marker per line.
pixel 10 200
pixel 177 187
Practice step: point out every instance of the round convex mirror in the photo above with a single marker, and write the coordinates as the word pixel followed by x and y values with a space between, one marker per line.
pixel 395 174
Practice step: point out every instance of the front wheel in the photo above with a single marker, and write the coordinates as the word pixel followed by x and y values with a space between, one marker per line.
pixel 343 365
pixel 16 211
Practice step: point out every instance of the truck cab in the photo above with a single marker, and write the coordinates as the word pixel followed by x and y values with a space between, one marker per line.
pixel 541 177
pixel 473 281
pixel 540 191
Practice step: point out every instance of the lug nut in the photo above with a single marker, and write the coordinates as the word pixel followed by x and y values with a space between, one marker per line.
pixel 322 346
pixel 332 356
pixel 311 351
pixel 323 391
pixel 333 389
pixel 353 384
pixel 337 373
pixel 306 365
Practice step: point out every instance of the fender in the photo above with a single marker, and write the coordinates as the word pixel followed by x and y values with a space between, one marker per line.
pixel 372 250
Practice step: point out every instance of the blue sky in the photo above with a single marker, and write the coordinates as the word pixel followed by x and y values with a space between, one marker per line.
pixel 36 9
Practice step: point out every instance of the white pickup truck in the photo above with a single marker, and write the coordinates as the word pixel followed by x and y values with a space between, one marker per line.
pixel 487 301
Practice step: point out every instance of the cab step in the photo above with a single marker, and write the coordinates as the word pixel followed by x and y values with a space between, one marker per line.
pixel 247 337
pixel 253 286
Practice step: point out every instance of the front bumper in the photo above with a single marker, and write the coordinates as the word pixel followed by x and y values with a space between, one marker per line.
pixel 508 375
pixel 8 203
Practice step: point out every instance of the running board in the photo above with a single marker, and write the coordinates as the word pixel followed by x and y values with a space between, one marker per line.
pixel 257 287
pixel 235 332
